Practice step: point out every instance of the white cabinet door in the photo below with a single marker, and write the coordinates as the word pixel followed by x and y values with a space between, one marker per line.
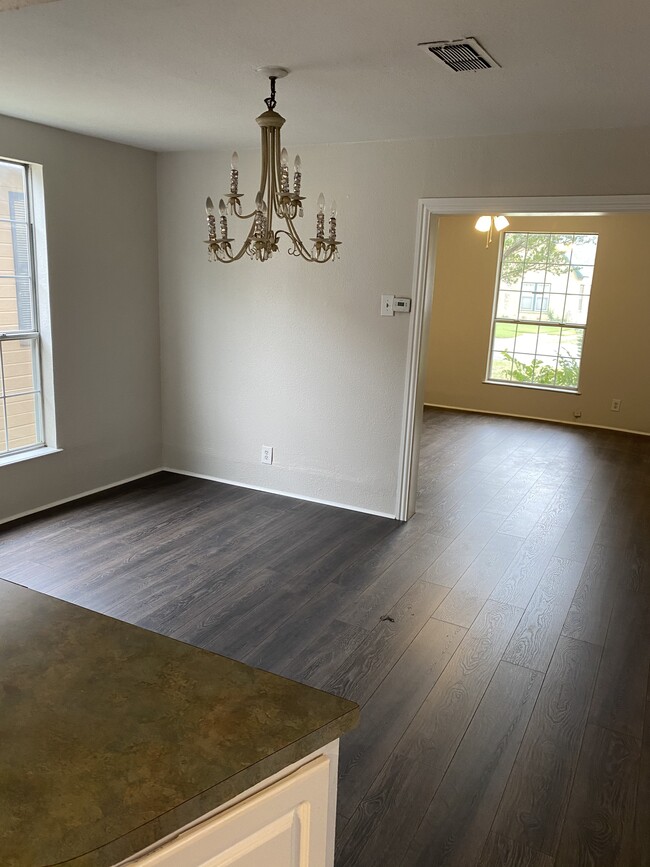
pixel 284 825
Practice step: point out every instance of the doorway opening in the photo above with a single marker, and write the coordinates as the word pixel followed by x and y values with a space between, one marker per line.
pixel 430 211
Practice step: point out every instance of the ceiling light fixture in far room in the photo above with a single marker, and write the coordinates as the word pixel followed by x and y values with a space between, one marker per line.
pixel 489 224
pixel 275 197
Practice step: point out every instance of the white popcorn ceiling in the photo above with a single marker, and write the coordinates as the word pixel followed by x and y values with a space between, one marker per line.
pixel 175 74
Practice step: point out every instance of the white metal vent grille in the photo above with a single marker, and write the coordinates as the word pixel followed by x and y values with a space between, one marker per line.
pixel 461 55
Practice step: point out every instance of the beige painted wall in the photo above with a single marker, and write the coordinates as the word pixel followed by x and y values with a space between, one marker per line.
pixel 614 362
pixel 100 201
pixel 297 356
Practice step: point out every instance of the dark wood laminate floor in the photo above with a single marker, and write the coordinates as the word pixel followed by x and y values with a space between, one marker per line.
pixel 504 719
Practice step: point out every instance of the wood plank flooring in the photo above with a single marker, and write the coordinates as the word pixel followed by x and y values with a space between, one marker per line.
pixel 498 643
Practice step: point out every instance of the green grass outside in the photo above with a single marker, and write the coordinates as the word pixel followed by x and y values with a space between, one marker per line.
pixel 509 329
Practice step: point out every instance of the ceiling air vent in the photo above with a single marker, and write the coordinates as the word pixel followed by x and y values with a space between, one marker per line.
pixel 461 55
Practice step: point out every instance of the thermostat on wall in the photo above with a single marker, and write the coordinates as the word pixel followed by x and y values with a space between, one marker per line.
pixel 390 305
pixel 402 305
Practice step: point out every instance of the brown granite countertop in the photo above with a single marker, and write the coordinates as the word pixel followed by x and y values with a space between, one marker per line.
pixel 112 737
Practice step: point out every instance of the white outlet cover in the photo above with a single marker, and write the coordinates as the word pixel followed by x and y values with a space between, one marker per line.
pixel 387 305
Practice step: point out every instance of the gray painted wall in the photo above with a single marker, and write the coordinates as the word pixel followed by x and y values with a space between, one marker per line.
pixel 296 356
pixel 102 245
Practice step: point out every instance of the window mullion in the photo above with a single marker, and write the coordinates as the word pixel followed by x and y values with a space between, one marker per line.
pixel 4 400
pixel 19 335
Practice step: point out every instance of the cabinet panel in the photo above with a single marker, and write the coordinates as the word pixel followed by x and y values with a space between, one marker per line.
pixel 284 825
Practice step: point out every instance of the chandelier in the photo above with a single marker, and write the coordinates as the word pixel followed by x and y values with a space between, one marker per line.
pixel 275 199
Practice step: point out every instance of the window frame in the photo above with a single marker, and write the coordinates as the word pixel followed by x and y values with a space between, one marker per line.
pixel 40 333
pixel 563 324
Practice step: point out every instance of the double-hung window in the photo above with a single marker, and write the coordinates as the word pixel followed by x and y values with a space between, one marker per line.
pixel 541 307
pixel 21 404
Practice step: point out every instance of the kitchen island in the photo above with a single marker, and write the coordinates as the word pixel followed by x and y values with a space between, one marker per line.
pixel 119 745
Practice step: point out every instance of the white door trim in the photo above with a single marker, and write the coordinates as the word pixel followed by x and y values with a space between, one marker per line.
pixel 422 293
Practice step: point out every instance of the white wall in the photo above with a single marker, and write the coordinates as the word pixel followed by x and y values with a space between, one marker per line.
pixel 296 356
pixel 100 201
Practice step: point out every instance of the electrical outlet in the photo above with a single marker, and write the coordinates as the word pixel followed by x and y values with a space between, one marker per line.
pixel 616 404
pixel 577 413
pixel 267 454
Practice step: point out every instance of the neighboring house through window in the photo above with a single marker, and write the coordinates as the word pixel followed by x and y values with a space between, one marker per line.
pixel 21 399
pixel 541 307
pixel 532 296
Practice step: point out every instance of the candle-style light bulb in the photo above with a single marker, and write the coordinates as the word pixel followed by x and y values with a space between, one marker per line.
pixel 332 223
pixel 320 218
pixel 284 171
pixel 212 230
pixel 223 222
pixel 234 174
pixel 297 182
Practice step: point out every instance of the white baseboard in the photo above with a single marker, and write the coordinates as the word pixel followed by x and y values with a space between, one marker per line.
pixel 538 418
pixel 79 496
pixel 280 493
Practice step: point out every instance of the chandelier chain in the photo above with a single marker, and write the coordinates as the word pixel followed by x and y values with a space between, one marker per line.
pixel 270 100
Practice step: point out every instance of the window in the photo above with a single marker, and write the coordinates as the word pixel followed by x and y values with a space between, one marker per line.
pixel 541 307
pixel 21 406
pixel 532 296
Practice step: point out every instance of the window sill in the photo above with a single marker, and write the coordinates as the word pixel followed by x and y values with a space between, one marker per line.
pixel 532 387
pixel 16 458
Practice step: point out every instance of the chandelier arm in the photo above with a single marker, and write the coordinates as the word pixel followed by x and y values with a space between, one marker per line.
pixel 265 159
pixel 295 237
pixel 271 180
pixel 277 173
pixel 328 256
pixel 230 259
pixel 244 216
pixel 299 246
pixel 302 250
pixel 238 255
pixel 243 249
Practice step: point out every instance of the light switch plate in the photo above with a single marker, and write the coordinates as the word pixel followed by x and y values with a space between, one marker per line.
pixel 387 305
